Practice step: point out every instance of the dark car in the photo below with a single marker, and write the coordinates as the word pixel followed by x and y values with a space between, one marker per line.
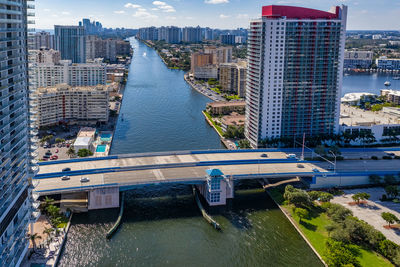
pixel 264 155
pixel 66 169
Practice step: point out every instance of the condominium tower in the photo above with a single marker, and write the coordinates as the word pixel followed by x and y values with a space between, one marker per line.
pixel 294 78
pixel 16 206
pixel 71 42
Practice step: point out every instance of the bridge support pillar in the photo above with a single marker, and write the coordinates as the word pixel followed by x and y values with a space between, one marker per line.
pixel 217 188
pixel 103 198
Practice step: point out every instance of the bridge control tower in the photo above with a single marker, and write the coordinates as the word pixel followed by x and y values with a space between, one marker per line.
pixel 217 187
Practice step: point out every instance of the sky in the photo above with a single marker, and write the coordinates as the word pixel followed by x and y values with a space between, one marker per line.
pixel 223 14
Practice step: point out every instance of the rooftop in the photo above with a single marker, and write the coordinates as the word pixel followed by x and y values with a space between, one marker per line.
pixel 66 87
pixel 87 132
pixel 226 103
pixel 352 116
pixel 351 97
pixel 294 12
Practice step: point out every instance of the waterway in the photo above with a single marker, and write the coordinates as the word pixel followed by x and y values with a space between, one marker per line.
pixel 162 226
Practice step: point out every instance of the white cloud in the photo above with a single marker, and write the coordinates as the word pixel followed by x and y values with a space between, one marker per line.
pixel 164 6
pixel 130 5
pixel 141 9
pixel 170 17
pixel 65 13
pixel 119 12
pixel 215 2
pixel 144 15
pixel 222 16
pixel 154 9
pixel 189 18
pixel 242 16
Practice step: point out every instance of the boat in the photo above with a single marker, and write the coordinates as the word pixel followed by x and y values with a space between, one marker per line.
pixel 144 54
pixel 387 83
pixel 122 117
pixel 396 78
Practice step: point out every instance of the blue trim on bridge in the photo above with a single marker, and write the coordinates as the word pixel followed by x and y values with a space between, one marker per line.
pixel 165 166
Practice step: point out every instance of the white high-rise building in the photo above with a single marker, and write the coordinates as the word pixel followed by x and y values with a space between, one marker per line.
pixel 83 74
pixel 294 78
pixel 17 139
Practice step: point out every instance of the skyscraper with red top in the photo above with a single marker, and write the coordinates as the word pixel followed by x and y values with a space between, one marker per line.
pixel 294 77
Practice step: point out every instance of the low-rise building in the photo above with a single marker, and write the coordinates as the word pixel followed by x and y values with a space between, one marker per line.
pixel 388 63
pixel 69 104
pixel 358 59
pixel 226 107
pixel 235 120
pixel 391 96
pixel 74 74
pixel 354 99
pixel 232 77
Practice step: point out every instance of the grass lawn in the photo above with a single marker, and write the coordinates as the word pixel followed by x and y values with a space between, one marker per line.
pixel 219 129
pixel 314 229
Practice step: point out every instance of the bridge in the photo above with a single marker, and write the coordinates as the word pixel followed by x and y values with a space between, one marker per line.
pixel 126 172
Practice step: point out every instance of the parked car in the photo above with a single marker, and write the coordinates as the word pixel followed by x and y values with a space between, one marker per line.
pixel 66 169
pixel 56 150
pixel 54 157
pixel 85 179
pixel 65 177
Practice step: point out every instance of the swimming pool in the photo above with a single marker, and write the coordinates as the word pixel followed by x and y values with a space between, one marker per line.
pixel 105 137
pixel 101 148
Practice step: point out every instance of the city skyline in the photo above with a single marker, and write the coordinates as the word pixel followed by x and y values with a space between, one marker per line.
pixel 224 14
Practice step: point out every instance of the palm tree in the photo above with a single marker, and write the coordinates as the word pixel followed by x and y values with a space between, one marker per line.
pixel 48 231
pixel 71 151
pixel 33 238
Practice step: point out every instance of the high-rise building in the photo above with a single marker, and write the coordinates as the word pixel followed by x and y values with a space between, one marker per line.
pixel 191 34
pixel 208 34
pixel 229 39
pixel 94 27
pixel 149 33
pixel 232 77
pixel 358 59
pixel 71 42
pixel 170 34
pixel 16 138
pixel 220 54
pixel 107 49
pixel 82 74
pixel 43 39
pixel 294 78
pixel 47 56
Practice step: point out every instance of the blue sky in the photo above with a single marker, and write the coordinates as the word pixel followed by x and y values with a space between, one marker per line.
pixel 226 14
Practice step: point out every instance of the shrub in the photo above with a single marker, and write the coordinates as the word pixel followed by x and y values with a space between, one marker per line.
pixel 388 249
pixel 374 157
pixel 392 191
pixel 337 212
pixel 341 254
pixel 384 197
pixel 389 179
pixel 314 195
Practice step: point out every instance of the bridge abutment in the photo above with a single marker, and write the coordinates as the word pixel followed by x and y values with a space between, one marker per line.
pixel 217 188
pixel 103 198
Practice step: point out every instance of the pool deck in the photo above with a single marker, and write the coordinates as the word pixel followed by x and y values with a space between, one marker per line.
pixel 103 141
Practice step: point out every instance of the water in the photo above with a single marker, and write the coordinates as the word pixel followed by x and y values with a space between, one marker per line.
pixel 161 112
pixel 101 148
pixel 370 83
pixel 162 226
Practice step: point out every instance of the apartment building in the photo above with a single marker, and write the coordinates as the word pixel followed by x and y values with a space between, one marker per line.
pixel 71 42
pixel 220 54
pixel 44 40
pixel 232 77
pixel 204 65
pixel 358 59
pixel 46 56
pixel 83 74
pixel 391 96
pixel 170 34
pixel 69 104
pixel 192 34
pixel 17 139
pixel 108 49
pixel 229 39
pixel 388 63
pixel 294 78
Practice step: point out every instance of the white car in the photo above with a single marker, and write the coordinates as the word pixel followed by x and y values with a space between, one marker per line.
pixel 85 179
pixel 65 177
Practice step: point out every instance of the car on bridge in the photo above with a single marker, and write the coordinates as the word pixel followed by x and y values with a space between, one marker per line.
pixel 85 179
pixel 66 169
pixel 65 177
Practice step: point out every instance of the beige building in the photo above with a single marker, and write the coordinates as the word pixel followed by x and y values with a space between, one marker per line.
pixel 225 107
pixel 232 77
pixel 47 56
pixel 108 49
pixel 391 96
pixel 204 65
pixel 68 104
pixel 221 54
pixel 234 120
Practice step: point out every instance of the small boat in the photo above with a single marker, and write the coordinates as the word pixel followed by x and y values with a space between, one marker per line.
pixel 347 74
pixel 387 83
pixel 122 117
pixel 144 54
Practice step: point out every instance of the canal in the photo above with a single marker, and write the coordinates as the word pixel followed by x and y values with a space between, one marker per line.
pixel 162 226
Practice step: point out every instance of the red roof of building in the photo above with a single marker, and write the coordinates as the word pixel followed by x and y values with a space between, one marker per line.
pixel 294 12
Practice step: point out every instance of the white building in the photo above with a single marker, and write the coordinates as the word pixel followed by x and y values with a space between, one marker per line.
pixel 294 78
pixel 67 104
pixel 388 63
pixel 354 99
pixel 43 39
pixel 82 74
pixel 358 59
pixel 18 140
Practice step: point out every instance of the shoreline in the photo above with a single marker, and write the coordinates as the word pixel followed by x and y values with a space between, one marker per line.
pixel 185 77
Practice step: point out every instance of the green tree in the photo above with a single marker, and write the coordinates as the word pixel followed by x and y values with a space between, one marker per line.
pixel 390 218
pixel 325 197
pixel 392 191
pixel 33 238
pixel 244 143
pixel 389 179
pixel 71 151
pixel 320 150
pixel 339 254
pixel 360 196
pixel 314 195
pixel 84 153
pixel 60 140
pixel 374 179
pixel 329 228
pixel 301 213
